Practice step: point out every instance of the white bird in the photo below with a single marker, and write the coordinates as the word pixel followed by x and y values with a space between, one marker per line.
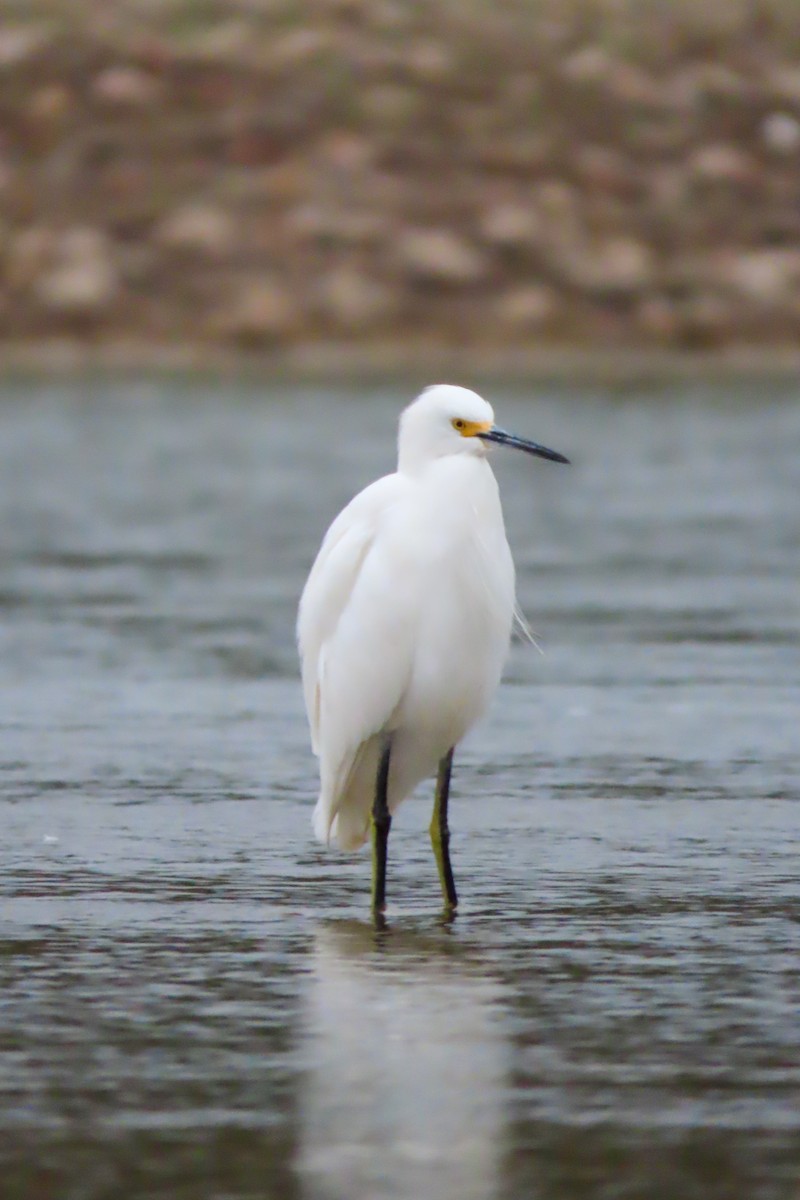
pixel 404 625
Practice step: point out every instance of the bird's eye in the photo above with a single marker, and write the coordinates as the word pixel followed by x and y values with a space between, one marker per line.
pixel 458 423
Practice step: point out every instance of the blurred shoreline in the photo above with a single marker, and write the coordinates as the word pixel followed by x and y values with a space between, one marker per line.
pixel 569 188
pixel 340 364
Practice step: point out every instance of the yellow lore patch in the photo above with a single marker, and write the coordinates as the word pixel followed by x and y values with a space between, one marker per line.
pixel 470 428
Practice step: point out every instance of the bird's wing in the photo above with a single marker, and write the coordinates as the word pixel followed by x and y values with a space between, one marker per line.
pixel 355 649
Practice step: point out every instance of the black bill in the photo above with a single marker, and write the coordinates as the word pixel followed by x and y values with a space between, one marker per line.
pixel 510 439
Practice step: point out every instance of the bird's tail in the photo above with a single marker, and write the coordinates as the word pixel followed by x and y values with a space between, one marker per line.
pixel 347 830
pixel 342 813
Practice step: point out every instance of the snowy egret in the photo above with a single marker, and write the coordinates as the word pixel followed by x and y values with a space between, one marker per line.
pixel 404 625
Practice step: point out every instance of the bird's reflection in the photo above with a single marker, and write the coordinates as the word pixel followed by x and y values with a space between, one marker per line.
pixel 406 1069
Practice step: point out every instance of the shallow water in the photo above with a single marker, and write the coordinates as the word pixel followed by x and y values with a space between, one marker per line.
pixel 192 1000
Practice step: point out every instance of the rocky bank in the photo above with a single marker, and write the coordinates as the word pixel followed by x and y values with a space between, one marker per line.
pixel 372 173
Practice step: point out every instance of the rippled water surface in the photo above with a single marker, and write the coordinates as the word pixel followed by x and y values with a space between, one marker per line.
pixel 193 1002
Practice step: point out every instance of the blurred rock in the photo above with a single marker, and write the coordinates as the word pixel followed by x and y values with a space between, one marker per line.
pixel 526 308
pixel 697 82
pixel 768 277
pixel 138 263
pixel 50 105
pixel 345 152
pixel 283 184
pixel 521 153
pixel 318 222
pixel 722 163
pixel 297 48
pixel 83 279
pixel 126 87
pixel 225 41
pixel 18 43
pixel 351 10
pixel 430 60
pixel 440 257
pixel 559 203
pixel 261 312
pixel 390 15
pixel 198 229
pixel 591 64
pixel 704 321
pixel 632 86
pixel 351 301
pixel 27 255
pixel 618 266
pixel 511 225
pixel 657 318
pixel 780 133
pixel 784 83
pixel 669 187
pixel 6 172
pixel 603 169
pixel 389 105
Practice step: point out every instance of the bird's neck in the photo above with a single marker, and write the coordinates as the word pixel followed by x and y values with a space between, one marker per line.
pixel 423 465
pixel 456 483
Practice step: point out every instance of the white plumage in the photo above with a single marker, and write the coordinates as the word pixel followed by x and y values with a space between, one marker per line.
pixel 405 619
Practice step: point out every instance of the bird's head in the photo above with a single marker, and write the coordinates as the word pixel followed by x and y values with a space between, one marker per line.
pixel 447 420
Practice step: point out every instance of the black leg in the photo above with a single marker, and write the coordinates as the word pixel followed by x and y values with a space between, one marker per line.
pixel 381 824
pixel 440 832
